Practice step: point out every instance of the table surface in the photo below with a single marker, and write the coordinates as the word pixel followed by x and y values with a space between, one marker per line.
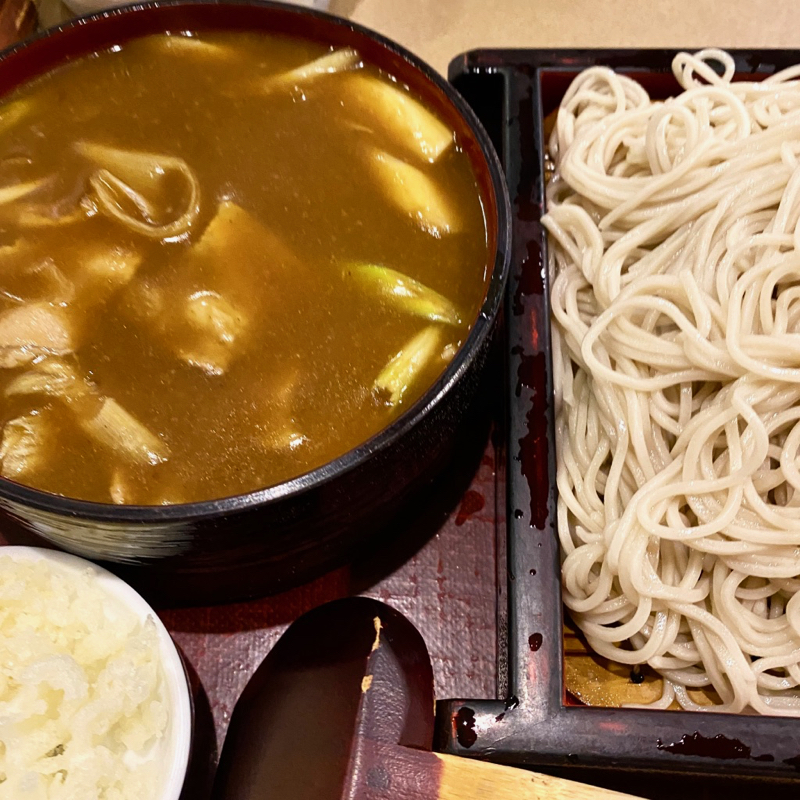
pixel 438 31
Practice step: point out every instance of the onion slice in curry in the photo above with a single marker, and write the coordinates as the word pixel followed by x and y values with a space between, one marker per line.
pixel 414 193
pixel 393 110
pixel 13 113
pixel 23 443
pixel 131 175
pixel 8 194
pixel 331 63
pixel 116 428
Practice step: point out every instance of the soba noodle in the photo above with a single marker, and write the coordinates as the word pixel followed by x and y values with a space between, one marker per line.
pixel 675 265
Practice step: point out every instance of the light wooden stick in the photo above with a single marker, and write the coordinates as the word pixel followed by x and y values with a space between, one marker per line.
pixel 381 771
pixel 466 779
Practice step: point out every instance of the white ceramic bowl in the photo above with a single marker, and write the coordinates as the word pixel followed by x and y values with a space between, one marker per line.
pixel 174 747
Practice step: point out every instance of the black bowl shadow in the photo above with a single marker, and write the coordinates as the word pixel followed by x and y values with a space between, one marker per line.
pixel 203 756
pixel 425 513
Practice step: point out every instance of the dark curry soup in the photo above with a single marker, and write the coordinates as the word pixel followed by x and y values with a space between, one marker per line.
pixel 224 261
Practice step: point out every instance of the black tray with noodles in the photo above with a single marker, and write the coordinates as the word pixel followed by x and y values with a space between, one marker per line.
pixel 540 723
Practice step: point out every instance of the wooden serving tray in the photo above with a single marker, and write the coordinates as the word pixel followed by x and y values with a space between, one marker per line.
pixel 541 723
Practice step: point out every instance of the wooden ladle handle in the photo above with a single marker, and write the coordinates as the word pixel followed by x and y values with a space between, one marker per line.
pixel 382 771
pixel 466 779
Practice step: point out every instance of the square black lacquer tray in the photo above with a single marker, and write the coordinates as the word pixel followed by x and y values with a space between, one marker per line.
pixel 513 91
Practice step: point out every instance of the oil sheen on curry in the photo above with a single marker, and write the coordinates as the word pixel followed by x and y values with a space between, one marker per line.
pixel 212 283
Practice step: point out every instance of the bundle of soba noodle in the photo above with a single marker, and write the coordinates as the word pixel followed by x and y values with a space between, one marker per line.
pixel 675 243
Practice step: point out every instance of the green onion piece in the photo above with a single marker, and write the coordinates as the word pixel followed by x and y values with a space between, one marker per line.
pixel 406 293
pixel 405 367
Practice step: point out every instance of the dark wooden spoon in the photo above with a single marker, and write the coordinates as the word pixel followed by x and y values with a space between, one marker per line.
pixel 342 708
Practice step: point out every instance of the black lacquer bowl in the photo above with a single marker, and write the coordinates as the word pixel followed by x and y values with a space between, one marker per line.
pixel 275 537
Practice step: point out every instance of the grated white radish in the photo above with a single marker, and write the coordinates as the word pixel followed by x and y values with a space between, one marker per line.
pixel 82 708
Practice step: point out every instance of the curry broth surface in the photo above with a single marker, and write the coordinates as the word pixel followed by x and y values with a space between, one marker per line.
pixel 293 160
